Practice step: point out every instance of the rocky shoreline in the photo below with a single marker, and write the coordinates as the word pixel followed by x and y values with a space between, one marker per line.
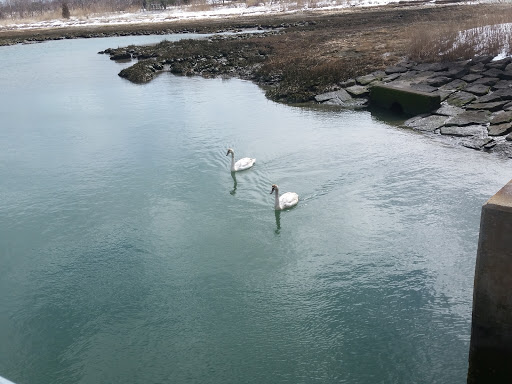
pixel 225 53
pixel 476 107
pixel 476 95
pixel 329 58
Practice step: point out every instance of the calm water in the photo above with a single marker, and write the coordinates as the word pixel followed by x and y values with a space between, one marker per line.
pixel 129 254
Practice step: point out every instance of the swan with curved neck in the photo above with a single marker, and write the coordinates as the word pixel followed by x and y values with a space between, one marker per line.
pixel 242 164
pixel 286 200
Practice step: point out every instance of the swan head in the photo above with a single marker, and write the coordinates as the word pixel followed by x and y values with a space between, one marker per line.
pixel 230 151
pixel 274 188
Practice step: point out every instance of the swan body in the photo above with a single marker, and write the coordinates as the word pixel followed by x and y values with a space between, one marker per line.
pixel 242 164
pixel 286 200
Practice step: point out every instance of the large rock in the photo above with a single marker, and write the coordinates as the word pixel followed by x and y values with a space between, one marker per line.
pixel 360 102
pixel 503 148
pixel 437 81
pixel 395 69
pixel 477 89
pixel 358 90
pixel 426 124
pixel 500 94
pixel 367 79
pixel 502 84
pixel 487 80
pixel 471 77
pixel 423 87
pixel 445 93
pixel 490 98
pixel 141 72
pixel 121 56
pixel 391 77
pixel 460 98
pixel 456 84
pixel 484 59
pixel 448 110
pixel 493 72
pixel 490 144
pixel 468 118
pixel 477 68
pixel 506 75
pixel 340 95
pixel 492 107
pixel 500 129
pixel 435 67
pixel 500 118
pixel 469 130
pixel 498 64
pixel 413 76
pixel 457 71
pixel 477 143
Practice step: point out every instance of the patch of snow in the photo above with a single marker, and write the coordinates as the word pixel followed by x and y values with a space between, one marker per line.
pixel 487 38
pixel 188 13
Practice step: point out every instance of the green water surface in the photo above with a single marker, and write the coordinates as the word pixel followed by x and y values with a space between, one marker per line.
pixel 129 253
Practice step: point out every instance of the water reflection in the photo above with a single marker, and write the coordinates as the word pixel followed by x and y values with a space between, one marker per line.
pixel 233 191
pixel 278 222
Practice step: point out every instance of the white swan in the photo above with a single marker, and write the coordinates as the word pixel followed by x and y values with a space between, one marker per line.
pixel 286 200
pixel 242 164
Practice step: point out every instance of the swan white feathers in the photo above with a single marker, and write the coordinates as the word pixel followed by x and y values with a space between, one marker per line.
pixel 242 164
pixel 286 200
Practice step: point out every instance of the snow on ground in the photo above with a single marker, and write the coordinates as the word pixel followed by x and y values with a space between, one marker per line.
pixel 499 35
pixel 188 13
pixel 226 10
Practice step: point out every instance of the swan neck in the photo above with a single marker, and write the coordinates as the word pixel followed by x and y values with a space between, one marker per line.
pixel 232 162
pixel 276 203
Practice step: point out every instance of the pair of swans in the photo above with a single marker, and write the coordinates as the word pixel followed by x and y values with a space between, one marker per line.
pixel 285 201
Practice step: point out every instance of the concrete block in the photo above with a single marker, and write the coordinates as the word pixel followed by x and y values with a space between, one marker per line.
pixel 406 100
pixel 490 354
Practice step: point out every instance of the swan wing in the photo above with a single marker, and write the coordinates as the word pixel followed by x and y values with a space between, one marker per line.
pixel 288 199
pixel 244 163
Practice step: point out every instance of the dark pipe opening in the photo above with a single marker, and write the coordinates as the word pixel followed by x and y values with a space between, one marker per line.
pixel 396 108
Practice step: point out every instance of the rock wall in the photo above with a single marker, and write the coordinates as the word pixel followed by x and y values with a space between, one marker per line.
pixel 476 99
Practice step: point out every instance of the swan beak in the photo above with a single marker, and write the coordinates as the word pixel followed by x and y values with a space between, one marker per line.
pixel 272 190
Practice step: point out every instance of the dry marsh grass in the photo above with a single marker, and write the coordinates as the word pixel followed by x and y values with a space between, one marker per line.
pixel 199 6
pixel 49 15
pixel 485 34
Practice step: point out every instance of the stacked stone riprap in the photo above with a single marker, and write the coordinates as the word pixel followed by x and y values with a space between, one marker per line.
pixel 476 107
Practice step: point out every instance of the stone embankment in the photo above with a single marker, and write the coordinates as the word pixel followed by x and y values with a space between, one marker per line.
pixel 476 99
